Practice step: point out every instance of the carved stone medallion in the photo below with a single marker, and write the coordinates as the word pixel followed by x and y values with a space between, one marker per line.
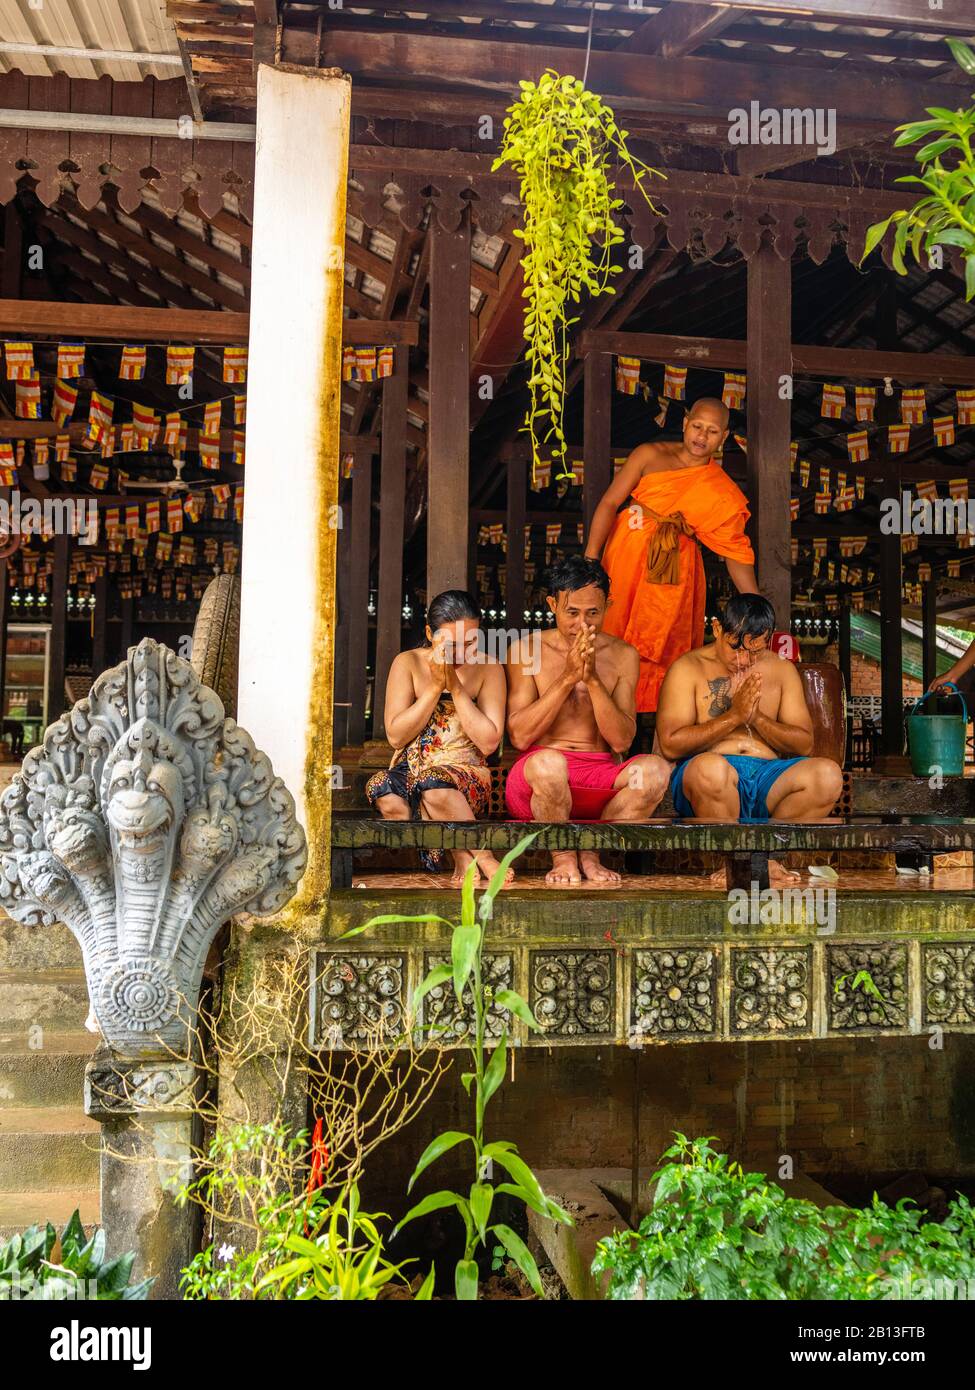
pixel 770 989
pixel 360 998
pixel 948 983
pixel 674 992
pixel 572 992
pixel 866 986
pixel 144 821
pixel 446 1020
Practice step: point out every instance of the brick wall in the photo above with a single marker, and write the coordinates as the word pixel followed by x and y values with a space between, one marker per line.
pixel 864 1106
pixel 865 675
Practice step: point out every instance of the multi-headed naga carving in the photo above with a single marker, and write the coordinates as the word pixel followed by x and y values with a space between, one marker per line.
pixel 144 821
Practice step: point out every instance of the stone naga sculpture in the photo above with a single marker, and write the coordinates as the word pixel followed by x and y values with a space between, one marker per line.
pixel 144 821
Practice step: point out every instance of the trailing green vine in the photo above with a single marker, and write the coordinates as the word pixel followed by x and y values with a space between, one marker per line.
pixel 945 216
pixel 559 138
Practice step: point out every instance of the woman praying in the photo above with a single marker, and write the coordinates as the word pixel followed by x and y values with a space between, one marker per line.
pixel 444 717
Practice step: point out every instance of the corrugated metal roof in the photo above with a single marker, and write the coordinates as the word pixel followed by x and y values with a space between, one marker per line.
pixel 134 26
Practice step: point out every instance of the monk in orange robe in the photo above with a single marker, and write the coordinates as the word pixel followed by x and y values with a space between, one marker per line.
pixel 680 499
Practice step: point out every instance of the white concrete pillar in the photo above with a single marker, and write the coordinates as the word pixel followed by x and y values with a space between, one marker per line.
pixel 293 412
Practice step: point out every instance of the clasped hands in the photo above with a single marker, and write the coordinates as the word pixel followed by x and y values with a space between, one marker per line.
pixel 580 659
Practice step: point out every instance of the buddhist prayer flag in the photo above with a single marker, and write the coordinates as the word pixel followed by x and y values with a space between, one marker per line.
pixel 824 482
pixel 860 485
pixel 164 545
pixel 898 438
pixel 794 551
pixel 820 545
pixel 954 569
pixel 221 496
pixel 152 516
pixel 944 430
pixel 235 364
pixel 834 401
pixel 924 572
pixel 146 423
pixel 28 399
pixel 965 402
pixel 127 438
pixel 42 453
pixel 174 515
pixel 733 390
pixel 347 464
pixel 112 520
pixel 821 502
pixel 20 361
pixel 240 410
pixel 675 383
pixel 628 375
pixel 843 502
pixel 193 506
pixel 98 476
pixel 578 473
pixel 793 452
pixel 865 402
pixel 239 448
pixel 209 453
pixel 179 364
pixel 384 362
pixel 804 473
pixel 132 367
pixel 553 533
pixel 68 470
pixel 913 405
pixel 63 402
pixel 171 431
pixel 365 364
pixel 71 360
pixel 99 415
pixel 580 532
pixel 909 543
pixel 211 420
pixel 239 503
pixel 958 487
pixel 131 522
pixel 348 364
pixel 794 508
pixel 496 534
pixel 927 490
pixel 858 446
pixel 541 476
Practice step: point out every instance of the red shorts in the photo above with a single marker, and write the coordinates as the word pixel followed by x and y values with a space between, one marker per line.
pixel 591 778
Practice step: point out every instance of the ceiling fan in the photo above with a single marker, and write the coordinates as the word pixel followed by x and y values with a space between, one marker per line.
pixel 155 485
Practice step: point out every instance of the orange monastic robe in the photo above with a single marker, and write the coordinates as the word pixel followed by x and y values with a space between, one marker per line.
pixel 657 586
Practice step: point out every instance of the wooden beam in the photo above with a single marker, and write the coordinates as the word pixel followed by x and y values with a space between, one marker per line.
pixel 13 255
pixel 392 513
pixel 514 588
pixel 754 160
pixel 99 659
pixel 769 425
pixel 361 550
pixel 41 318
pixel 890 568
pixel 878 14
pixel 929 632
pixel 679 29
pixel 449 430
pixel 684 86
pixel 730 354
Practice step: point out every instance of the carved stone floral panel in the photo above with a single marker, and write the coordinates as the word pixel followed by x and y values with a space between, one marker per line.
pixel 448 1021
pixel 948 983
pixel 771 989
pixel 866 986
pixel 360 998
pixel 572 993
pixel 674 992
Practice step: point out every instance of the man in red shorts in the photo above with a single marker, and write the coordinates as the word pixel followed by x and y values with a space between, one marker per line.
pixel 572 710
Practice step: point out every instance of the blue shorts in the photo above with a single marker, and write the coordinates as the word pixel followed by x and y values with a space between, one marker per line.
pixel 756 777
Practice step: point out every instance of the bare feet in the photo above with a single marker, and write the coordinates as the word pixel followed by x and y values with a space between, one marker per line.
pixel 488 866
pixel 778 876
pixel 596 872
pixel 564 872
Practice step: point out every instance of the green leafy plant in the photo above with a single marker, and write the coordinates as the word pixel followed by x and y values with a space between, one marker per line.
pixel 717 1232
pixel 40 1264
pixel 303 1243
pixel 864 981
pixel 560 138
pixel 481 1083
pixel 945 216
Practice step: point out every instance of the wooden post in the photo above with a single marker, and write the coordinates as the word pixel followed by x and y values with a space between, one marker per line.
pixel 929 631
pixel 769 425
pixel 358 591
pixel 340 679
pixel 392 510
pixel 891 751
pixel 514 588
pixel 128 626
pixel 99 660
pixel 846 650
pixel 59 628
pixel 449 424
pixel 597 429
pixel 295 355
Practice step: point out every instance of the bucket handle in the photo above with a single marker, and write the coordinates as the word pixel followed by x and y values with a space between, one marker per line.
pixel 948 685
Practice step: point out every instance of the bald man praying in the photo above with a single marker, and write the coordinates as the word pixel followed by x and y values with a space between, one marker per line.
pixel 679 499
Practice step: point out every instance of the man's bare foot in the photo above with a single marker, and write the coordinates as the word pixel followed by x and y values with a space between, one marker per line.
pixel 564 872
pixel 462 862
pixel 488 866
pixel 779 875
pixel 596 872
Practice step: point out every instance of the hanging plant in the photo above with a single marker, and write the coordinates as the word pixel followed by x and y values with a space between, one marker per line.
pixel 560 139
pixel 946 215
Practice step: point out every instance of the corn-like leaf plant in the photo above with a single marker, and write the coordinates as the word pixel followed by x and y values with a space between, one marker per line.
pixel 945 215
pixel 481 1083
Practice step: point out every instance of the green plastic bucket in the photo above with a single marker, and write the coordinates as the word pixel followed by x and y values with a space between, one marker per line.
pixel 937 741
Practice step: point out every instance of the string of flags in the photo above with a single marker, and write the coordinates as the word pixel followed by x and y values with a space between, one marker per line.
pixel 19 357
pixel 366 364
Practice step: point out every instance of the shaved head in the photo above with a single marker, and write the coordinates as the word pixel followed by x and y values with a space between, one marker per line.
pixel 710 405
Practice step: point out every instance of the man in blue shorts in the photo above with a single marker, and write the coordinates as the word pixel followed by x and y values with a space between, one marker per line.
pixel 733 718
